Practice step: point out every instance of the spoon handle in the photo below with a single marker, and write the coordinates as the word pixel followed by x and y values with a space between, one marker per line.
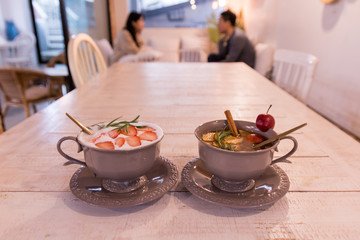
pixel 281 135
pixel 79 124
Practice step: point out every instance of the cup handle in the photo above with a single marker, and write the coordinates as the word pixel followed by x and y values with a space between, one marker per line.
pixel 71 159
pixel 291 152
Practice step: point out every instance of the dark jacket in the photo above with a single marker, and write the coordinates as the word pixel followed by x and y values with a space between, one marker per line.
pixel 237 48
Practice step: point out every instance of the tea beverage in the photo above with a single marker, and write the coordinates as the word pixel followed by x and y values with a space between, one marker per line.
pixel 225 140
pixel 241 165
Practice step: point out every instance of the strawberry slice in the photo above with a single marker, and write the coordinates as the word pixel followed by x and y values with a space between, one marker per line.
pixel 120 141
pixel 129 131
pixel 105 145
pixel 114 133
pixel 97 138
pixel 254 138
pixel 147 128
pixel 148 136
pixel 133 141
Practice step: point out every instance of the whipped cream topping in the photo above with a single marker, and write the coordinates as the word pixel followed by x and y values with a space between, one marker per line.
pixel 87 140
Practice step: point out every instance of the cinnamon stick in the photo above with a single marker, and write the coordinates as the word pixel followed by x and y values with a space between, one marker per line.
pixel 231 122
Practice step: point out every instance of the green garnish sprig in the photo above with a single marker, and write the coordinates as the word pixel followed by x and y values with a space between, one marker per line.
pixel 220 135
pixel 121 125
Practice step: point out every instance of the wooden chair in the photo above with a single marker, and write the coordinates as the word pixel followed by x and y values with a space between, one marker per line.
pixel 59 73
pixel 60 58
pixel 19 91
pixel 294 72
pixel 85 59
pixel 192 55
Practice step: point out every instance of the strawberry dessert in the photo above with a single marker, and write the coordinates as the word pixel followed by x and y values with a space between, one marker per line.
pixel 122 135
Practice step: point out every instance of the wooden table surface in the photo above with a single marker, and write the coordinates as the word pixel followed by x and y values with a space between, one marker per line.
pixel 36 203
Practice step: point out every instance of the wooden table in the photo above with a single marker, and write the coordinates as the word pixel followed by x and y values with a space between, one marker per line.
pixel 35 201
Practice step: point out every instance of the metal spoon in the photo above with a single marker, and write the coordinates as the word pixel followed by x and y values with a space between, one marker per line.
pixel 79 124
pixel 279 136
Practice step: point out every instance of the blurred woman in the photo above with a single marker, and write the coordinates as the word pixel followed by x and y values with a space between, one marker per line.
pixel 128 40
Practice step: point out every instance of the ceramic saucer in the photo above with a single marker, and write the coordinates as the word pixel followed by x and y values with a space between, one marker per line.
pixel 160 179
pixel 123 186
pixel 272 185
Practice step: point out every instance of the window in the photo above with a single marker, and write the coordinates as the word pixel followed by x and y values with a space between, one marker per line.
pixel 177 13
pixel 83 16
pixel 48 27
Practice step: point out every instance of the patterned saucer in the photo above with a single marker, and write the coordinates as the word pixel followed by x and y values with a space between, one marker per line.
pixel 272 185
pixel 160 179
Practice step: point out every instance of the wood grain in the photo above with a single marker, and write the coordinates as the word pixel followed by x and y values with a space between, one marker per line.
pixel 35 201
pixel 59 215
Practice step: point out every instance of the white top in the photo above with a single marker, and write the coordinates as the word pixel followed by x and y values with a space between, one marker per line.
pixel 125 44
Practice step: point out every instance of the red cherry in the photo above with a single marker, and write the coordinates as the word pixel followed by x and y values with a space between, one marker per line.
pixel 265 121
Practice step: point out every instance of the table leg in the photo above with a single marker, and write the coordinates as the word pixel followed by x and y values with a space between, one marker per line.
pixel 2 125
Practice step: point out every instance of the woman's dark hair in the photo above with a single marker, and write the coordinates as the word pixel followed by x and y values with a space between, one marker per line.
pixel 133 17
pixel 229 16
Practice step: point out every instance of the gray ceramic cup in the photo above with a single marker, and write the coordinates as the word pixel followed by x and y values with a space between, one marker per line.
pixel 121 165
pixel 238 166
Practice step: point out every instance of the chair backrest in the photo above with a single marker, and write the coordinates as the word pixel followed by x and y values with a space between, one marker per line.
pixel 25 42
pixel 14 81
pixel 264 59
pixel 190 55
pixel 85 59
pixel 294 72
pixel 10 85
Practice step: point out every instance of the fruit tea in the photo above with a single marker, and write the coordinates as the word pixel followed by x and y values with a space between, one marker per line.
pixel 226 140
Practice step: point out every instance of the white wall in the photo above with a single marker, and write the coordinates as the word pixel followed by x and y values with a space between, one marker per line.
pixel 330 32
pixel 119 10
pixel 17 11
pixel 2 23
pixel 260 18
pixel 101 28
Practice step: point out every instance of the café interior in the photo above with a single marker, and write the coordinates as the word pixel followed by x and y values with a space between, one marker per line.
pixel 306 68
pixel 322 30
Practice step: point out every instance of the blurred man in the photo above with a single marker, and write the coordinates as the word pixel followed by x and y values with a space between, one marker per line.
pixel 234 46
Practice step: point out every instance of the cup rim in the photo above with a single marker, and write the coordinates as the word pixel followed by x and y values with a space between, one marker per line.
pixel 234 152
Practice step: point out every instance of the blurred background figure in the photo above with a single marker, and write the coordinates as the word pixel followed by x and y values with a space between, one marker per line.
pixel 128 40
pixel 234 46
